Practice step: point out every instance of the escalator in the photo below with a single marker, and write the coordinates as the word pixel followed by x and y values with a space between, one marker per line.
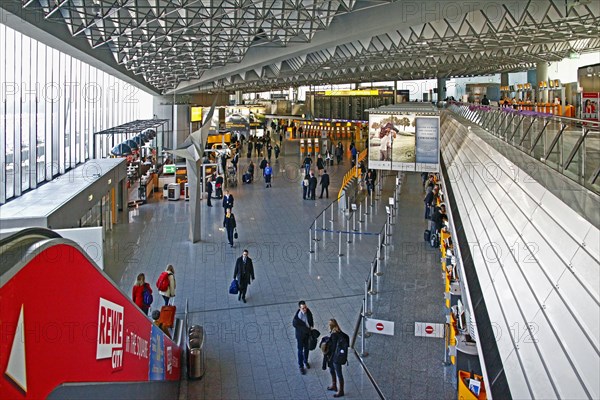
pixel 67 331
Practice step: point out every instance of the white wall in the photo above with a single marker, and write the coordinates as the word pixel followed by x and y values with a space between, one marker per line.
pixel 566 70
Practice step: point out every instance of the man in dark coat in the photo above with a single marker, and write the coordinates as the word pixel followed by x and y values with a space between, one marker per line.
pixel 209 190
pixel 307 163
pixel 303 324
pixel 312 185
pixel 324 184
pixel 244 271
pixel 227 201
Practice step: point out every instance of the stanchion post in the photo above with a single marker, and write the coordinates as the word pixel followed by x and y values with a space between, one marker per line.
pixel 378 265
pixel 310 250
pixel 323 220
pixel 360 213
pixel 332 212
pixel 348 230
pixel 340 244
pixel 372 272
pixel 363 331
pixel 354 220
pixel 367 310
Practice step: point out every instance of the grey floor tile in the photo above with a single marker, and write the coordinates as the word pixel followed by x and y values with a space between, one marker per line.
pixel 251 347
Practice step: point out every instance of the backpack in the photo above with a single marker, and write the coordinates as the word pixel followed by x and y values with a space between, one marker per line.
pixel 324 345
pixel 340 355
pixel 163 281
pixel 147 297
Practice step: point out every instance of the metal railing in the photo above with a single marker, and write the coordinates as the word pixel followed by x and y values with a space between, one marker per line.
pixel 348 215
pixel 376 268
pixel 568 145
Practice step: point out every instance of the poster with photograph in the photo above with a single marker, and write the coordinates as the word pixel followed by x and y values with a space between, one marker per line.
pixel 237 120
pixel 392 141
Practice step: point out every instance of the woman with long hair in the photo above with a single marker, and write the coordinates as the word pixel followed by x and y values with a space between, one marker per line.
pixel 137 294
pixel 170 291
pixel 337 356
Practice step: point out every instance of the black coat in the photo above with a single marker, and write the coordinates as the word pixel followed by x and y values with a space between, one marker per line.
pixel 243 272
pixel 228 201
pixel 229 223
pixel 320 164
pixel 209 187
pixel 325 180
pixel 302 331
pixel 333 340
pixel 312 182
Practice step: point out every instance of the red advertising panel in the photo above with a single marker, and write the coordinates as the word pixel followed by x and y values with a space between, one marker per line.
pixel 62 320
pixel 589 106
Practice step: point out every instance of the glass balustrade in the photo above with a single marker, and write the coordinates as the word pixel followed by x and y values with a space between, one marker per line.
pixel 568 145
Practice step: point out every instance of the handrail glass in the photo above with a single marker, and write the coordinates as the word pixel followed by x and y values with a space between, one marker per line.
pixel 570 146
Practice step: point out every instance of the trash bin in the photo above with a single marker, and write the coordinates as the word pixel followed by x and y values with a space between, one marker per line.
pixel 196 358
pixel 173 191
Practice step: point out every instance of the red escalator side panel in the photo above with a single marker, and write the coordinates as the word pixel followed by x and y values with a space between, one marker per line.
pixel 62 320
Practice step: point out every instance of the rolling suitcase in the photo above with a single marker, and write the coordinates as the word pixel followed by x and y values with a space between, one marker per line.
pixel 167 316
pixel 427 235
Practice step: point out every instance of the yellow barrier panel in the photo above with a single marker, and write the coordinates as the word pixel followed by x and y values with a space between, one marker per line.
pixel 452 341
pixel 353 172
pixel 463 390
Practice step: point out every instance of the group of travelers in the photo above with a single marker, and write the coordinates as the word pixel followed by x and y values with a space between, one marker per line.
pixel 334 347
pixel 435 209
pixel 141 295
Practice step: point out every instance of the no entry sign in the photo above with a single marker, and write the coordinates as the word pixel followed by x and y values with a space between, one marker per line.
pixel 380 326
pixel 428 329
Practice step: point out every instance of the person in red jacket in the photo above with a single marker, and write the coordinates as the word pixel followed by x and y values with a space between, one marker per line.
pixel 138 293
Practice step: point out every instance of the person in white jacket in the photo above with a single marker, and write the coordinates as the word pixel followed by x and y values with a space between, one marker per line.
pixel 170 292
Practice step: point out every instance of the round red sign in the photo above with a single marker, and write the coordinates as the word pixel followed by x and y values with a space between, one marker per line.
pixel 379 326
pixel 429 329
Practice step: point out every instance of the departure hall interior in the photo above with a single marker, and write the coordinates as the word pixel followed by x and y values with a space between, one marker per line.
pixel 299 199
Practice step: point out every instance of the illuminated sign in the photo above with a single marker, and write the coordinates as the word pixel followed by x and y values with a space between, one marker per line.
pixel 169 169
pixel 196 114
pixel 352 92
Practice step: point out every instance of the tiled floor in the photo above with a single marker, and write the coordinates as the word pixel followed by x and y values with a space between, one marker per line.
pixel 251 349
pixel 410 290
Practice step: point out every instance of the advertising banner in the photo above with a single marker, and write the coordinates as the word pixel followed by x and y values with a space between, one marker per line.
pixel 589 106
pixel 237 120
pixel 256 117
pixel 427 144
pixel 64 321
pixel 404 142
pixel 392 142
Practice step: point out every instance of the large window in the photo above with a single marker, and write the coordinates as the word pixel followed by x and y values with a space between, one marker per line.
pixel 50 106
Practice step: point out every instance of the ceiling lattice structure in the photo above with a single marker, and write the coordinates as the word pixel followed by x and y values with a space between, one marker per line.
pixel 250 45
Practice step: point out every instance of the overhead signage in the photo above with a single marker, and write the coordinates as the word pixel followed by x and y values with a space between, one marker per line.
pixel 352 92
pixel 196 114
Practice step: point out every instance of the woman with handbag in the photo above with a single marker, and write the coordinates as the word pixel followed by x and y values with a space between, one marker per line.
pixel 230 225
